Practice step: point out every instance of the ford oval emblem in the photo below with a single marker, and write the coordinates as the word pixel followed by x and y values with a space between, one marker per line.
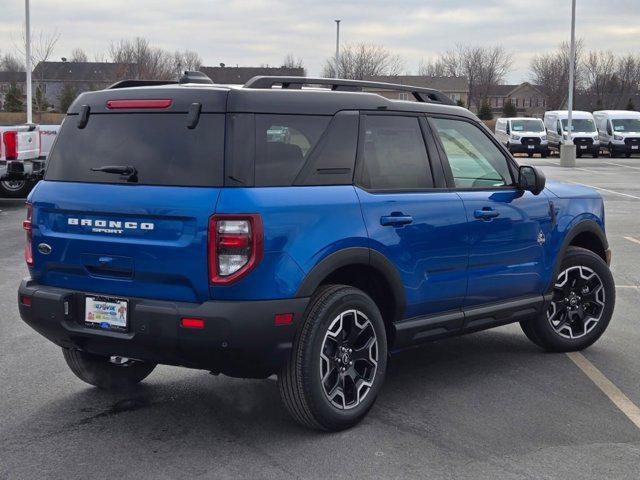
pixel 44 248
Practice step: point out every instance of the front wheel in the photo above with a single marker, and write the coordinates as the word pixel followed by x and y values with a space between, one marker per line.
pixel 583 300
pixel 107 373
pixel 338 361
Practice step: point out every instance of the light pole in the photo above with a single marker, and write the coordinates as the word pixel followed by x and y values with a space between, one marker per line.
pixel 336 73
pixel 568 148
pixel 27 60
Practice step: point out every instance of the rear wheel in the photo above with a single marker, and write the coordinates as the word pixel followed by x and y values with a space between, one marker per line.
pixel 581 307
pixel 596 154
pixel 338 361
pixel 108 373
pixel 627 155
pixel 15 188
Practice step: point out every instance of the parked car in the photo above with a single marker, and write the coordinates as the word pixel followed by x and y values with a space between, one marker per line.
pixel 175 225
pixel 619 131
pixel 19 152
pixel 584 133
pixel 523 135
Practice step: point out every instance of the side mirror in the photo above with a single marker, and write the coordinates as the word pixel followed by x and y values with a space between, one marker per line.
pixel 609 132
pixel 559 130
pixel 508 129
pixel 531 179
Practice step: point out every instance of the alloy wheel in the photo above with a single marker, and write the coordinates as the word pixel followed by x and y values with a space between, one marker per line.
pixel 578 302
pixel 348 359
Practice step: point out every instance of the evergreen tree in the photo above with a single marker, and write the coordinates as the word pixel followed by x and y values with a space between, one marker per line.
pixel 509 109
pixel 67 95
pixel 13 99
pixel 485 112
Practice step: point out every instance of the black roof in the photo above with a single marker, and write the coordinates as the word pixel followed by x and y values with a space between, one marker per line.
pixel 103 72
pixel 11 77
pixel 220 98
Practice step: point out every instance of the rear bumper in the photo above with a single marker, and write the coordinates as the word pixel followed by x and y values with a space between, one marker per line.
pixel 239 338
pixel 21 169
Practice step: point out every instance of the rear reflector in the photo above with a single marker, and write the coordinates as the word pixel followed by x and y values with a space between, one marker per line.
pixel 284 319
pixel 26 301
pixel 192 323
pixel 28 227
pixel 115 104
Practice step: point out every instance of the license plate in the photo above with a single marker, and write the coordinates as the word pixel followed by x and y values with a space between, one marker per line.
pixel 634 147
pixel 583 147
pixel 531 147
pixel 106 313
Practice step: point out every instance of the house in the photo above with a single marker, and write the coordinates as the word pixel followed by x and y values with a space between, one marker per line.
pixel 52 77
pixel 527 98
pixel 456 88
pixel 240 75
pixel 9 78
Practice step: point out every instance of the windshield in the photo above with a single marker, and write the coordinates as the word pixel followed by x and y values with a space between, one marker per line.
pixel 626 125
pixel 580 125
pixel 527 126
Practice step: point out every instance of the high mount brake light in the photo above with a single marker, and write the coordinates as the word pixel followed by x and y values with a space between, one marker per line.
pixel 236 246
pixel 146 103
pixel 10 139
pixel 28 247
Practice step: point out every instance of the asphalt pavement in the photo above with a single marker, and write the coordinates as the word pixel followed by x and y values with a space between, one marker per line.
pixel 483 406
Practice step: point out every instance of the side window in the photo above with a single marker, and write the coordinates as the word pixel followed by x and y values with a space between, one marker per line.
pixel 475 160
pixel 283 142
pixel 394 156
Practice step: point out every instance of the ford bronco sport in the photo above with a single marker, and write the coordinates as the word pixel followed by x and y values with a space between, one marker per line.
pixel 299 227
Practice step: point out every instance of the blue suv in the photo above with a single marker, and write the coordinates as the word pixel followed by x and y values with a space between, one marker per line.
pixel 299 227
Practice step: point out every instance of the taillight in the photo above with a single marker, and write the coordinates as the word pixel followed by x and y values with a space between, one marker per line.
pixel 10 139
pixel 236 244
pixel 26 224
pixel 147 103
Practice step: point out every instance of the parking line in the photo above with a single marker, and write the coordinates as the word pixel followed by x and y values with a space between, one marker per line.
pixel 635 287
pixel 607 387
pixel 621 165
pixel 631 239
pixel 605 190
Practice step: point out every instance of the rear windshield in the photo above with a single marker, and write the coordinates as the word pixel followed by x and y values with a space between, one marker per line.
pixel 159 146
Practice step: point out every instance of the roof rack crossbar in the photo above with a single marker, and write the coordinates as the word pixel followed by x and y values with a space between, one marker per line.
pixel 421 94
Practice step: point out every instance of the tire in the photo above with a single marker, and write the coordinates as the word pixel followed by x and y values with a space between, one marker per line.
pixel 530 155
pixel 611 152
pixel 331 317
pixel 585 279
pixel 15 188
pixel 102 373
pixel 627 155
pixel 544 155
pixel 596 155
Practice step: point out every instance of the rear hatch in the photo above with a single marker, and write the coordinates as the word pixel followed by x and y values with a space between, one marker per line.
pixel 136 226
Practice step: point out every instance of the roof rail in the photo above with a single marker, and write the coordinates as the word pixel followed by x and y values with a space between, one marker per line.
pixel 428 95
pixel 139 83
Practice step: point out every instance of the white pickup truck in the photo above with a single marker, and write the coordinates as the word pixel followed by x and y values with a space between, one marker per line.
pixel 23 153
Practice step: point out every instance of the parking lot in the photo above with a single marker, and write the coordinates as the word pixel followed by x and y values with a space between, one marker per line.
pixel 480 406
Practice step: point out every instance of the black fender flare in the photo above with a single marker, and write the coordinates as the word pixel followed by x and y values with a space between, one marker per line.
pixel 581 227
pixel 356 256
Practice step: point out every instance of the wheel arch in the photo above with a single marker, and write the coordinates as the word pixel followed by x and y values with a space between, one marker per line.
pixel 366 269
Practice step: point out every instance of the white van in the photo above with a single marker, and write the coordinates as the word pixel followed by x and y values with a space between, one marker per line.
pixel 584 134
pixel 619 131
pixel 523 135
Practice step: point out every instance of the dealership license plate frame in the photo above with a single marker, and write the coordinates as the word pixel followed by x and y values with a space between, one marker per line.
pixel 106 318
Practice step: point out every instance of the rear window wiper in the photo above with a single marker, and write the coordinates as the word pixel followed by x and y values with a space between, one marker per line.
pixel 127 172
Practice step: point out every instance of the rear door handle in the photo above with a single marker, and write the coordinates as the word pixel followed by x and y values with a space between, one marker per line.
pixel 487 213
pixel 396 220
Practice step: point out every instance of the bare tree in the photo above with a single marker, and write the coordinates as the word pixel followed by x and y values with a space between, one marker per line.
pixel 187 60
pixel 141 60
pixel 11 63
pixel 363 60
pixel 42 48
pixel 483 68
pixel 78 55
pixel 290 61
pixel 550 73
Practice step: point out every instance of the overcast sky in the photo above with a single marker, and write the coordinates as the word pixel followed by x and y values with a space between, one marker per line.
pixel 254 32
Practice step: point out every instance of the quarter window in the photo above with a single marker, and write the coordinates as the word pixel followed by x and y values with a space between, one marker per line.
pixel 475 160
pixel 394 156
pixel 283 143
